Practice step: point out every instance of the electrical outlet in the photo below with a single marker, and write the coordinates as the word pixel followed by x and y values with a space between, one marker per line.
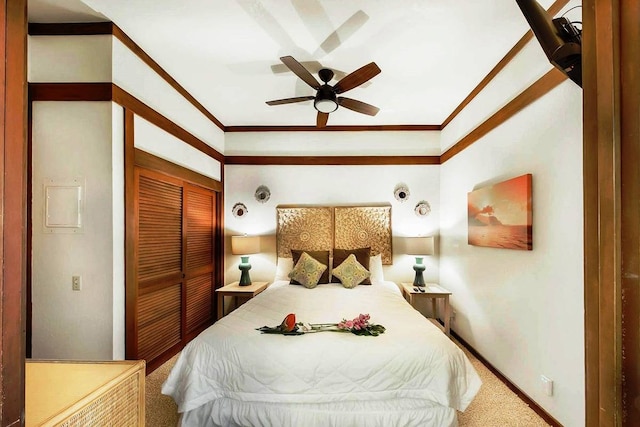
pixel 547 385
pixel 76 283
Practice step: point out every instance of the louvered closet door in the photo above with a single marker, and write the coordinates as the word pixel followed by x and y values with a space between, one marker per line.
pixel 200 208
pixel 160 260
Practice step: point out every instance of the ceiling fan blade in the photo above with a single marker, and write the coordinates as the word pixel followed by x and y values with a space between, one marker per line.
pixel 311 66
pixel 290 100
pixel 300 71
pixel 358 106
pixel 344 31
pixel 358 77
pixel 321 120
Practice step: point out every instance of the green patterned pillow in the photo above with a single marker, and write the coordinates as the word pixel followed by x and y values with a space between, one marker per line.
pixel 351 273
pixel 307 271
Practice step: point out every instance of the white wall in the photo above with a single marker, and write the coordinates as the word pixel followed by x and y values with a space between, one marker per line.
pixel 329 185
pixel 154 140
pixel 523 310
pixel 70 140
pixel 135 77
pixel 401 143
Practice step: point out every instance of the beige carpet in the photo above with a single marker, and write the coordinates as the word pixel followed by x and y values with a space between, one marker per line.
pixel 495 405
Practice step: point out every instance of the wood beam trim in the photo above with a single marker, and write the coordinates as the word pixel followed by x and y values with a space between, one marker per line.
pixel 350 128
pixel 332 160
pixel 149 161
pixel 71 29
pixel 538 89
pixel 528 36
pixel 128 101
pixel 70 92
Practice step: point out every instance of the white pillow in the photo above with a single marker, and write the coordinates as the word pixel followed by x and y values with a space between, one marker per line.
pixel 375 268
pixel 283 268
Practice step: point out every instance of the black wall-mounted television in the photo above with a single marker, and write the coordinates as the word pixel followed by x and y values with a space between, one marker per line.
pixel 561 41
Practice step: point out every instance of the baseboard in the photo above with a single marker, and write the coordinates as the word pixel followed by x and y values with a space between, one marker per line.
pixel 532 404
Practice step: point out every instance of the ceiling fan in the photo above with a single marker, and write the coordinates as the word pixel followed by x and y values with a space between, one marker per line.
pixel 326 100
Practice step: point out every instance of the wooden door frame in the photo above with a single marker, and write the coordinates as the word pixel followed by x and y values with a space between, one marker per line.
pixel 13 106
pixel 611 139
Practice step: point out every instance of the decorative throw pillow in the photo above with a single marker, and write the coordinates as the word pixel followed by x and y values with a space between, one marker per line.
pixel 307 271
pixel 362 255
pixel 320 256
pixel 351 272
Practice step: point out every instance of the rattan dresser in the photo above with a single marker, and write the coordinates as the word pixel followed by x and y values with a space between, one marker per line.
pixel 71 393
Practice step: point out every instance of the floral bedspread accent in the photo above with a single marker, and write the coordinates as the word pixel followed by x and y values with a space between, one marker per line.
pixel 359 325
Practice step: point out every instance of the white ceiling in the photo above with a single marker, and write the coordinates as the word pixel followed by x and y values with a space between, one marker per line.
pixel 225 52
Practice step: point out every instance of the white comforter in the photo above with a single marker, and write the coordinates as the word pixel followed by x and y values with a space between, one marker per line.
pixel 413 363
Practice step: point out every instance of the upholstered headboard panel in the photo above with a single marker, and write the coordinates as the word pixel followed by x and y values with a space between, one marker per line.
pixel 327 227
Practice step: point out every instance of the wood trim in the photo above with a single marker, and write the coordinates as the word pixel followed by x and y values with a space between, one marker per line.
pixel 522 395
pixel 130 102
pixel 128 42
pixel 332 160
pixel 71 29
pixel 149 161
pixel 630 205
pixel 130 233
pixel 70 92
pixel 602 206
pixel 528 36
pixel 350 128
pixel 13 165
pixel 538 89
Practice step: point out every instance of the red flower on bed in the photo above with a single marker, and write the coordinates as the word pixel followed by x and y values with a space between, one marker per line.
pixel 289 323
pixel 359 326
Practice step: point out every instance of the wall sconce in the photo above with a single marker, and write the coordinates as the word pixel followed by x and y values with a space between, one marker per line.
pixel 245 246
pixel 419 247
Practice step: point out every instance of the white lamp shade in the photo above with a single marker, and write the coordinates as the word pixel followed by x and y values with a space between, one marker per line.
pixel 245 245
pixel 420 245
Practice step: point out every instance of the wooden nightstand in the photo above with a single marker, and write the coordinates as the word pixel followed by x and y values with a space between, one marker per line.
pixel 434 292
pixel 234 290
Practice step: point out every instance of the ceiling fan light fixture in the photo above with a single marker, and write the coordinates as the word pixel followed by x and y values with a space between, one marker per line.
pixel 325 105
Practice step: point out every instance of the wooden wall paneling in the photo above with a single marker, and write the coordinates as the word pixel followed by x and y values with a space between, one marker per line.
pixel 630 194
pixel 602 204
pixel 130 231
pixel 13 165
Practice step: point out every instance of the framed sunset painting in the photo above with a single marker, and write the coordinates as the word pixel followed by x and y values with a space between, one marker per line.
pixel 500 215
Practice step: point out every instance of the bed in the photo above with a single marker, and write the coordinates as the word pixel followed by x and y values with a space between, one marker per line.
pixel 234 375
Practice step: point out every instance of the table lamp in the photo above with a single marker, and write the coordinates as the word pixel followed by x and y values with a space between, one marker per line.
pixel 419 247
pixel 245 246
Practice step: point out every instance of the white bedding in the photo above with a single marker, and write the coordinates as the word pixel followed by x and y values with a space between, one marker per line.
pixel 412 374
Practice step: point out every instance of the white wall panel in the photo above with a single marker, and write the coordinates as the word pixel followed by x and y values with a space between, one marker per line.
pixel 117 194
pixel 69 59
pixel 156 141
pixel 74 139
pixel 523 310
pixel 365 143
pixel 134 76
pixel 330 185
